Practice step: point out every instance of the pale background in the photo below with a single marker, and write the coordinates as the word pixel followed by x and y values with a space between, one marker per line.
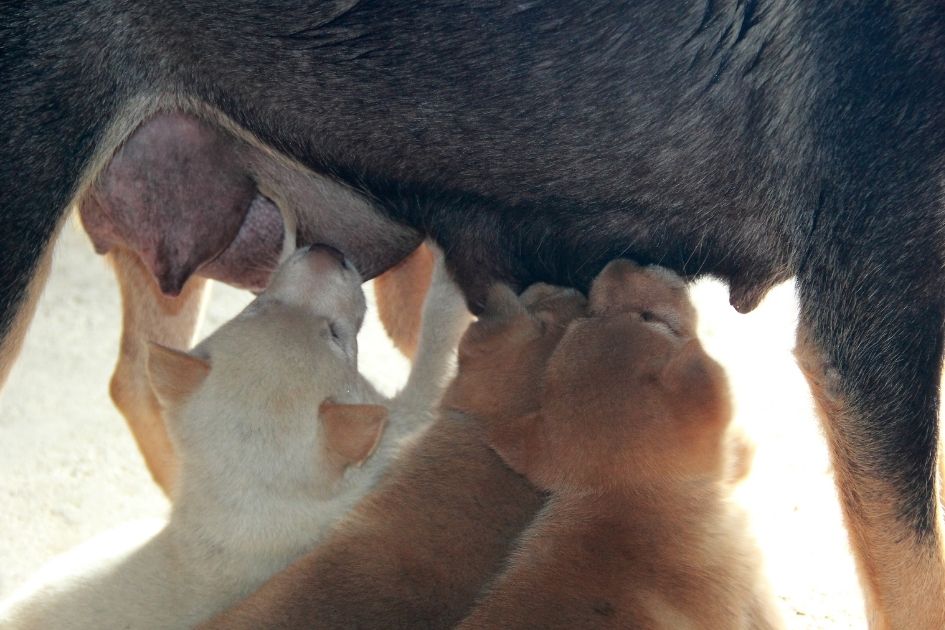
pixel 70 469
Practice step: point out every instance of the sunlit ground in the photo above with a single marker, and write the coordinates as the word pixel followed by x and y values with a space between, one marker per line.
pixel 69 468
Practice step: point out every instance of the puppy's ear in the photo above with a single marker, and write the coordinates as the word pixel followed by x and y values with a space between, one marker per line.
pixel 174 375
pixel 697 384
pixel 352 431
pixel 517 440
pixel 610 289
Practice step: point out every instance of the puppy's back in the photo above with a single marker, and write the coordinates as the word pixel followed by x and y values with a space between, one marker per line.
pixel 597 563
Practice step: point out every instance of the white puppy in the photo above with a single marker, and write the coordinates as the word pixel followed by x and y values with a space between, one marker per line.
pixel 278 436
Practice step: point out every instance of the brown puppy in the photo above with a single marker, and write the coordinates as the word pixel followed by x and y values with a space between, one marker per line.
pixel 417 552
pixel 630 441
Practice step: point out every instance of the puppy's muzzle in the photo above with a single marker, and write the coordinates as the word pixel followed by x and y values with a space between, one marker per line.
pixel 319 254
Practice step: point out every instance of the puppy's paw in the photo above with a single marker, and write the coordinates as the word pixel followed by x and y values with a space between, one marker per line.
pixel 501 304
pixel 741 455
pixel 552 304
pixel 503 323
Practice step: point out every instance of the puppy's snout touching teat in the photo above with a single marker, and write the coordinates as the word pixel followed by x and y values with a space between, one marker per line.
pixel 319 277
pixel 321 254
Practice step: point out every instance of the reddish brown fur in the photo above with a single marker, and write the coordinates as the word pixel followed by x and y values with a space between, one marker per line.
pixel 400 293
pixel 631 442
pixel 417 552
pixel 352 431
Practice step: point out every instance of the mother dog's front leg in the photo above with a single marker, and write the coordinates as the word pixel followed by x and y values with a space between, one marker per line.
pixel 19 297
pixel 870 344
pixel 150 316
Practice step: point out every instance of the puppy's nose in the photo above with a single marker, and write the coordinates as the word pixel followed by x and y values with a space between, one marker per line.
pixel 330 253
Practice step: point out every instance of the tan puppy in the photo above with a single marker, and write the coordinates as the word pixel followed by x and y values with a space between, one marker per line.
pixel 416 553
pixel 150 316
pixel 631 442
pixel 278 436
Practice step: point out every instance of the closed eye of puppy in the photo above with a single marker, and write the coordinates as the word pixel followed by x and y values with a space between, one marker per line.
pixel 278 436
pixel 631 442
pixel 417 551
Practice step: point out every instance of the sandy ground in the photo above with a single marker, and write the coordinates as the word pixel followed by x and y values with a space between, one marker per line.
pixel 69 468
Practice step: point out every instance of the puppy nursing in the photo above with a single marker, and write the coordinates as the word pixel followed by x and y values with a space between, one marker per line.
pixel 615 410
pixel 608 407
pixel 630 442
pixel 417 551
pixel 278 436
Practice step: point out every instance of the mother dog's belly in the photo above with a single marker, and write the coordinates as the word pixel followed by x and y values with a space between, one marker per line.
pixel 191 197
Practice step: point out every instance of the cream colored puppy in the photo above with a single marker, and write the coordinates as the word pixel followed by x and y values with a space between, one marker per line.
pixel 278 436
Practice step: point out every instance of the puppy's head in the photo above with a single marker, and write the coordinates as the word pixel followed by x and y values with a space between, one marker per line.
pixel 651 292
pixel 261 401
pixel 503 354
pixel 629 395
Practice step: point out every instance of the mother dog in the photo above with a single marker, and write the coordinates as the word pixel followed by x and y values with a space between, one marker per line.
pixel 535 140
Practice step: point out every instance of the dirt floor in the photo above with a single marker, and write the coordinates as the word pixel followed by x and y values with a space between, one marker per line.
pixel 69 468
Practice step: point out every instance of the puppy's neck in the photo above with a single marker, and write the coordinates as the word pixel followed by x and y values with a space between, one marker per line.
pixel 695 522
pixel 236 505
pixel 249 536
pixel 690 500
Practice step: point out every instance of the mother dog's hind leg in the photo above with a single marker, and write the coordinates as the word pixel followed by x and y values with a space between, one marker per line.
pixel 870 344
pixel 20 303
pixel 149 315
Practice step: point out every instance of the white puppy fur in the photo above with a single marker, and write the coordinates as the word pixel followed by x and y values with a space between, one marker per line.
pixel 278 436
